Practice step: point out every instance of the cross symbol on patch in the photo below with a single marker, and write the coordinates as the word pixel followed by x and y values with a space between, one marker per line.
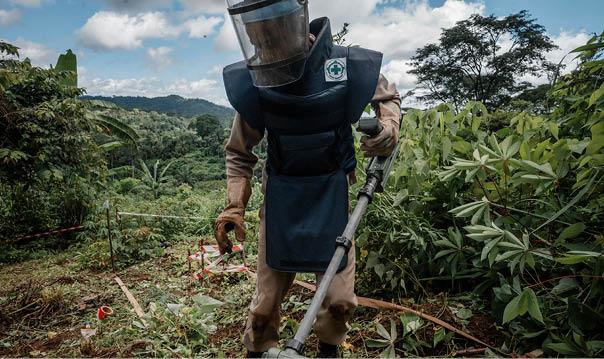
pixel 336 69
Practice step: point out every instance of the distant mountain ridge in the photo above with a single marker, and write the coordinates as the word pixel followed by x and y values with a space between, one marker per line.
pixel 172 105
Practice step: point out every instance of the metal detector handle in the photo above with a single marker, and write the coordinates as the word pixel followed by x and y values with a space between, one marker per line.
pixel 370 126
pixel 378 167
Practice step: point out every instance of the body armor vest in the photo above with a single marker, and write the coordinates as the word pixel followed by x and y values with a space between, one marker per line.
pixel 310 147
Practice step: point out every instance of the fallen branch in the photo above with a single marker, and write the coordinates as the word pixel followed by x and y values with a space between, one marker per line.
pixel 23 308
pixel 137 308
pixel 469 351
pixel 380 304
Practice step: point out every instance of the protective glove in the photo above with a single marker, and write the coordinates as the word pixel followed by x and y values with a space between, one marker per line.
pixel 239 191
pixel 384 143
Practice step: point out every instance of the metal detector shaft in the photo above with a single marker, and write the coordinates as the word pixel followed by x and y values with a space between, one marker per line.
pixel 295 347
pixel 341 250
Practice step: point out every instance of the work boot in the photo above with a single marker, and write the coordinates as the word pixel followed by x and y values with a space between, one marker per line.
pixel 327 351
pixel 254 354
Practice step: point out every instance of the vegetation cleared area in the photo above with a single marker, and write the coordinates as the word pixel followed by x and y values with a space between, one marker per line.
pixel 492 221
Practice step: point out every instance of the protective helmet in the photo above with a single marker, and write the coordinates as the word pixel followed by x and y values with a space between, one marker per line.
pixel 273 35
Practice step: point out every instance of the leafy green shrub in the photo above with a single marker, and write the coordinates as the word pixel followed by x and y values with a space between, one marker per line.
pixel 181 328
pixel 137 244
pixel 513 212
pixel 50 165
pixel 127 185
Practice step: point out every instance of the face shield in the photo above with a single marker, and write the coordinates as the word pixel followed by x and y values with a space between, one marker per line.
pixel 273 35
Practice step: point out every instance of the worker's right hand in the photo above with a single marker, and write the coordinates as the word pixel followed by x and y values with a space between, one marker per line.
pixel 239 191
pixel 383 143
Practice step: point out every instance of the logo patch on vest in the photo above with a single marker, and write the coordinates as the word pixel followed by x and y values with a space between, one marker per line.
pixel 335 70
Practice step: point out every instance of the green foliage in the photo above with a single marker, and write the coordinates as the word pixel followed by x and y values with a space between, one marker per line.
pixel 483 59
pixel 181 328
pixel 195 147
pixel 49 164
pixel 387 340
pixel 515 212
pixel 408 340
pixel 68 62
pixel 154 181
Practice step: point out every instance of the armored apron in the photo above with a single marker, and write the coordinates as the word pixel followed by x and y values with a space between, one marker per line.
pixel 310 147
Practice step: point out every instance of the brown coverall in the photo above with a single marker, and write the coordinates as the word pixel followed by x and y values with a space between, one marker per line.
pixel 262 328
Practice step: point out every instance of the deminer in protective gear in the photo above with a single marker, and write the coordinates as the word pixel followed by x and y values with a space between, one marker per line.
pixel 304 93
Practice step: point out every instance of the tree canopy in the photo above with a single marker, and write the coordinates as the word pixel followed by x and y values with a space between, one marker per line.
pixel 483 59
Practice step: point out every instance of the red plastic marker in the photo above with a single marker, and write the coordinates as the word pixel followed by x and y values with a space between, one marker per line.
pixel 104 312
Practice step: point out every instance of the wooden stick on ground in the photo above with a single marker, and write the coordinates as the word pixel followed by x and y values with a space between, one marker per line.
pixel 137 308
pixel 470 351
pixel 380 304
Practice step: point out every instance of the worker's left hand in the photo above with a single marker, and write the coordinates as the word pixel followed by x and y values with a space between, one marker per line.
pixel 232 217
pixel 383 144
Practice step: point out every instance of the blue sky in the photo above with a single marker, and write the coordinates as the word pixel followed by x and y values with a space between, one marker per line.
pixel 159 47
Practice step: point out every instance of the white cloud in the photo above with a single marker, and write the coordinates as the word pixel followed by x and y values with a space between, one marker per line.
pixel 160 57
pixel 396 71
pixel 9 17
pixel 226 39
pixel 341 11
pixel 204 6
pixel 399 31
pixel 82 72
pixel 216 70
pixel 566 43
pixel 110 31
pixel 202 26
pixel 203 88
pixel 39 54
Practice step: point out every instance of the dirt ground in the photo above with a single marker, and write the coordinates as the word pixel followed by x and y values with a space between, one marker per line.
pixel 44 304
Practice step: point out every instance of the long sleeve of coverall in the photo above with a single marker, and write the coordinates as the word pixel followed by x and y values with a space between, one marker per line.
pixel 240 160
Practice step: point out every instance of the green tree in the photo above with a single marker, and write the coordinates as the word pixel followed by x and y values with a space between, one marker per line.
pixel 49 163
pixel 211 130
pixel 68 62
pixel 206 125
pixel 155 181
pixel 483 59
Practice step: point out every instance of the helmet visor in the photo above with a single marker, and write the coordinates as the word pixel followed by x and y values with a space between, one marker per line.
pixel 273 35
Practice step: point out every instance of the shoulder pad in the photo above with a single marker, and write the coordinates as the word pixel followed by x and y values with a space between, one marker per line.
pixel 242 94
pixel 364 72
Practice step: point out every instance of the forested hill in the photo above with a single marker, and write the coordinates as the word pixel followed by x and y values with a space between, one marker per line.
pixel 171 105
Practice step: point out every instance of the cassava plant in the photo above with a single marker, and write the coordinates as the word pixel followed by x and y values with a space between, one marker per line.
pixel 514 213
